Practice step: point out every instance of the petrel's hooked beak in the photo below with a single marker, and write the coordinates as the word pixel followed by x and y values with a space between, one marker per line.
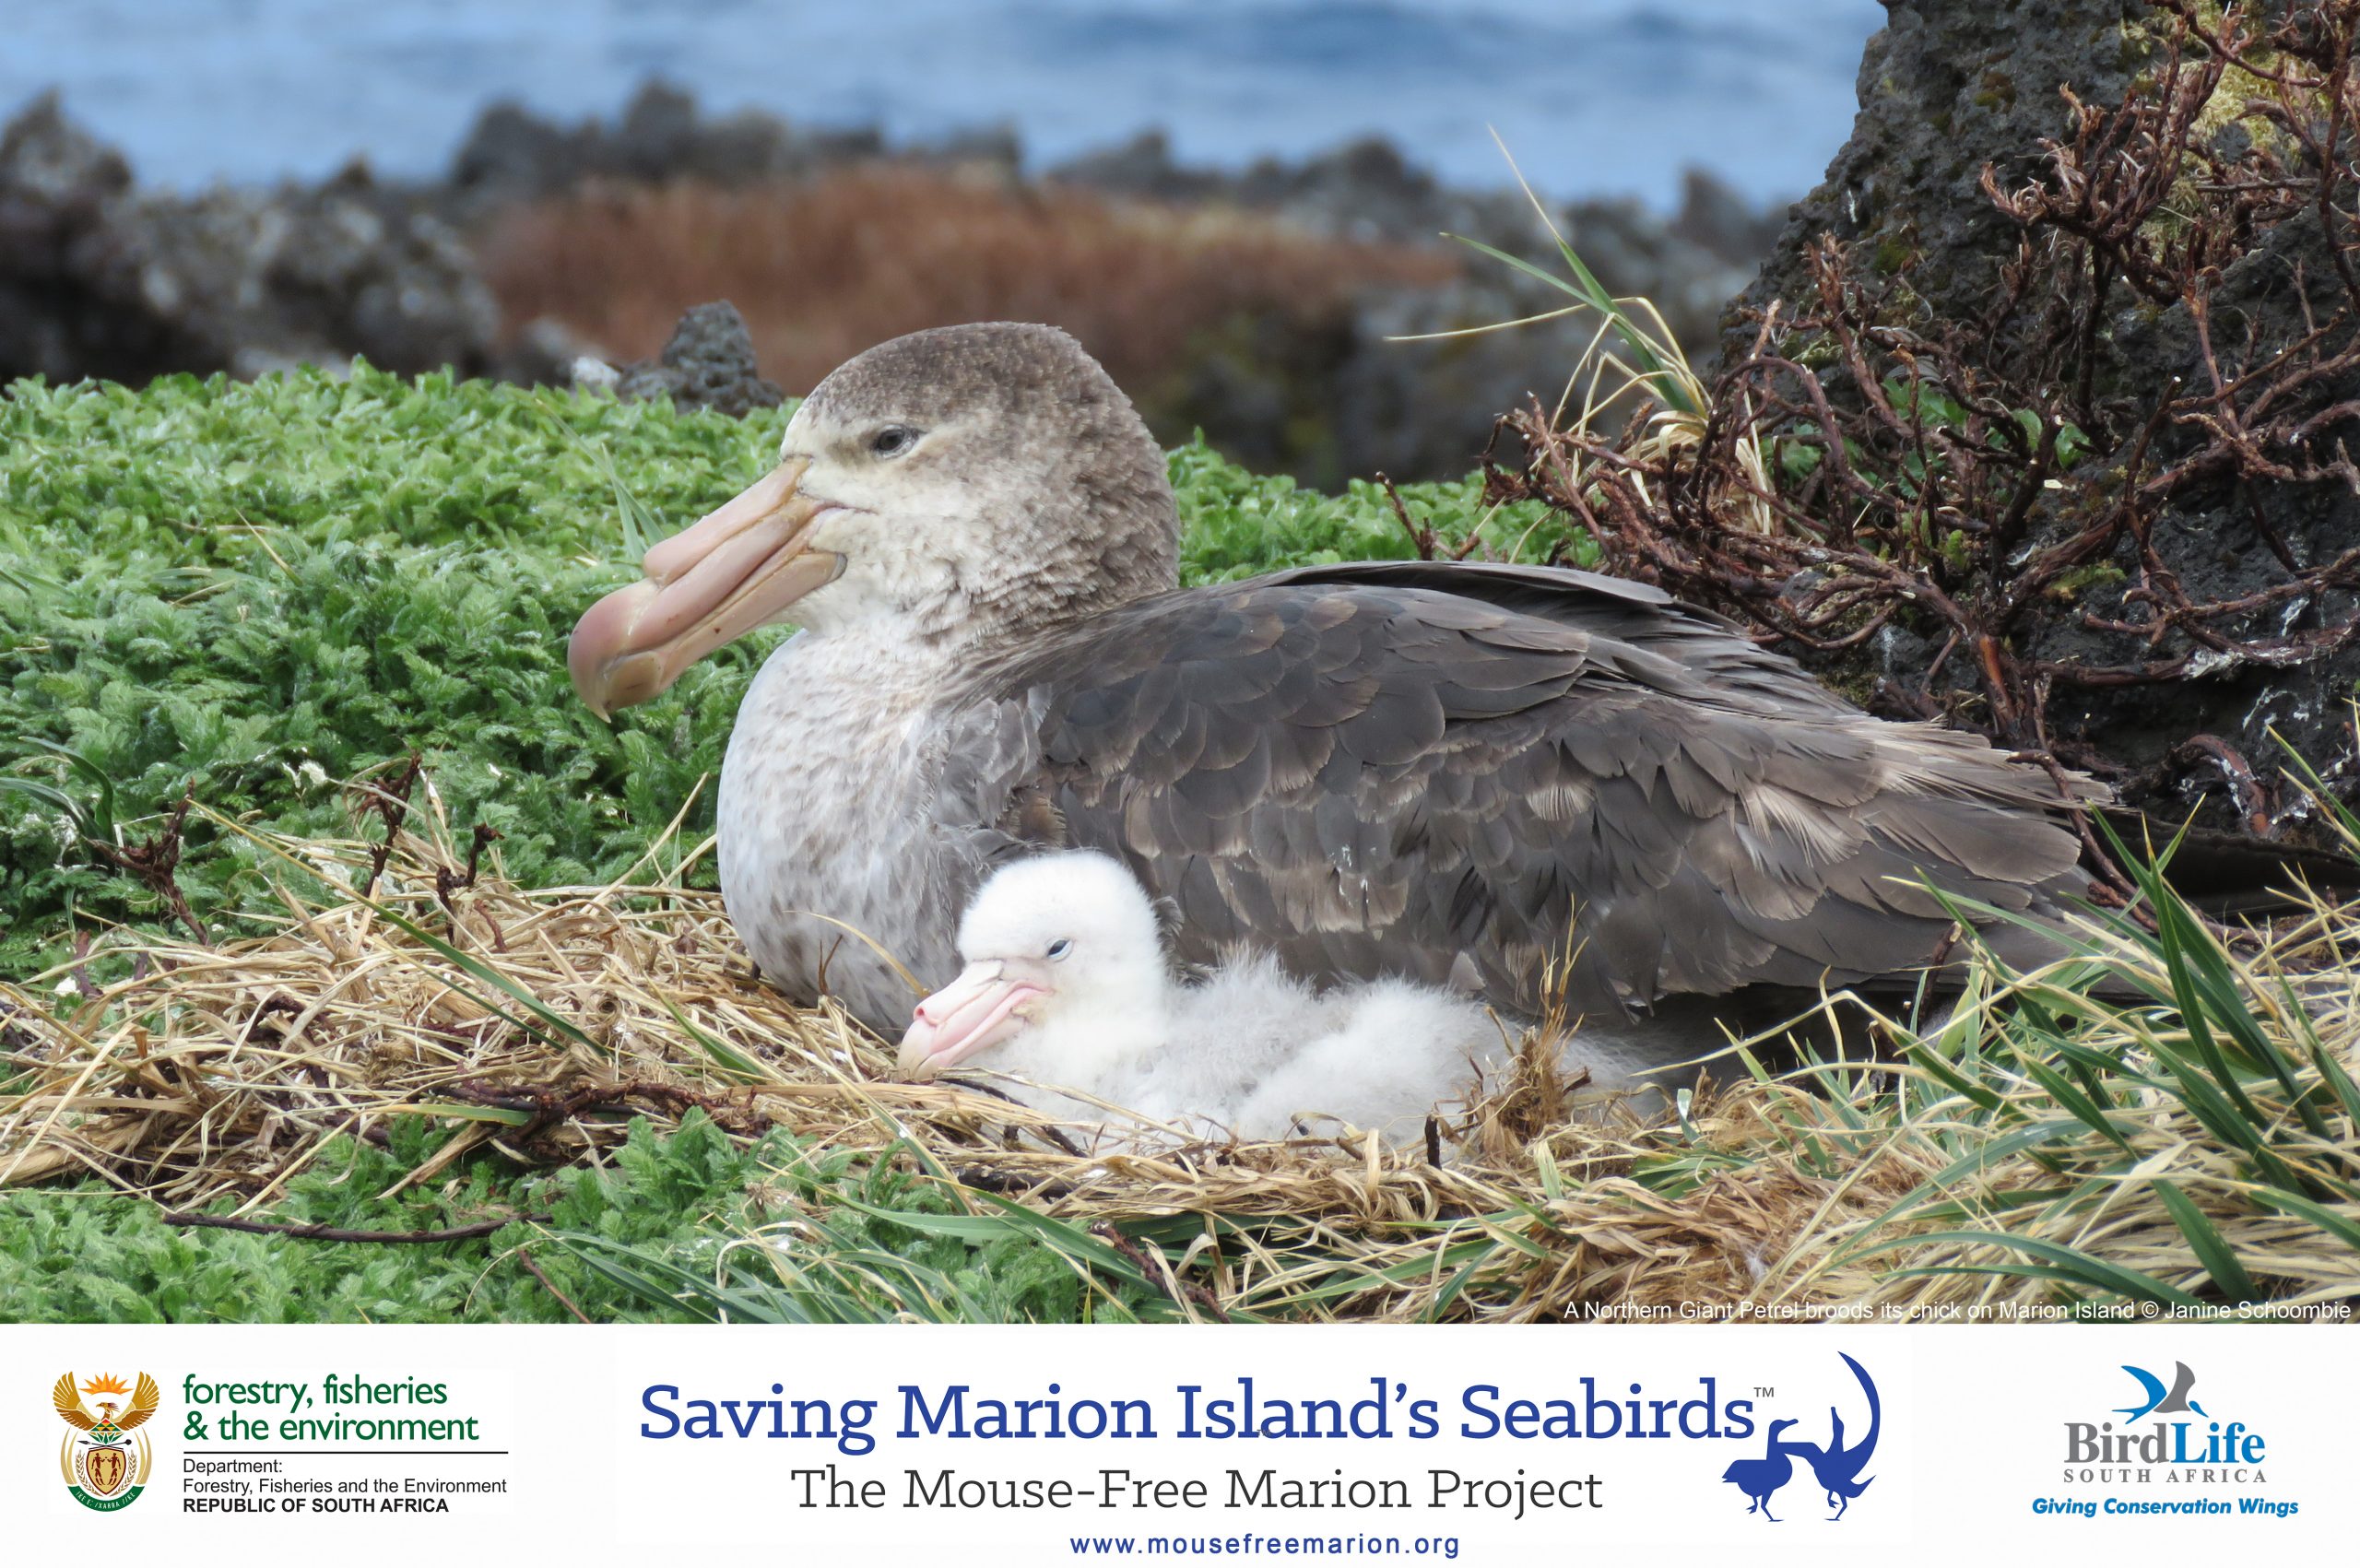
pixel 973 1013
pixel 736 568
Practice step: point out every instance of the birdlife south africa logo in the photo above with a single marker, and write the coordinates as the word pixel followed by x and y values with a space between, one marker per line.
pixel 1838 1468
pixel 2180 1440
pixel 105 1458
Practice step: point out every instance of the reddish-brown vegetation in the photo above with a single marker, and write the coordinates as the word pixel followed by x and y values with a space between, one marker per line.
pixel 823 270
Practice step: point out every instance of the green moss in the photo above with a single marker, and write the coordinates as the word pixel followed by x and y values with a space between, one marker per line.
pixel 2071 585
pixel 1817 354
pixel 88 1255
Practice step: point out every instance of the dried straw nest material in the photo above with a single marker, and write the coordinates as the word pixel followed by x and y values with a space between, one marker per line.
pixel 538 1023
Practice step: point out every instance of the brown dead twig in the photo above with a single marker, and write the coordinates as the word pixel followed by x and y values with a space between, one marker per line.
pixel 1185 1294
pixel 389 804
pixel 153 863
pixel 563 1300
pixel 547 1108
pixel 1422 537
pixel 338 1233
pixel 447 882
pixel 1913 465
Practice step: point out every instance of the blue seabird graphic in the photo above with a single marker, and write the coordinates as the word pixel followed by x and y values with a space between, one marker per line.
pixel 2158 1402
pixel 1836 1467
pixel 1758 1479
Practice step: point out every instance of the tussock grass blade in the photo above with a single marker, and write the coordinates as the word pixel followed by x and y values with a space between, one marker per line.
pixel 2207 991
pixel 1649 365
pixel 1354 1278
pixel 54 799
pixel 660 1280
pixel 2094 1068
pixel 1462 1275
pixel 2206 1102
pixel 1995 1271
pixel 2203 1002
pixel 641 526
pixel 1988 1205
pixel 2098 1274
pixel 2316 787
pixel 641 529
pixel 2210 1247
pixel 1932 1063
pixel 2347 1094
pixel 2083 1109
pixel 97 822
pixel 958 1227
pixel 732 1062
pixel 2326 1219
pixel 457 1112
pixel 1077 1245
pixel 2008 1145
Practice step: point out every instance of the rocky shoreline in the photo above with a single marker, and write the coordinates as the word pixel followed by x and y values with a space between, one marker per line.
pixel 99 278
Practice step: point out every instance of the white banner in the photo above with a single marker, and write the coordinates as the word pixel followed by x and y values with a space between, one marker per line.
pixel 1029 1445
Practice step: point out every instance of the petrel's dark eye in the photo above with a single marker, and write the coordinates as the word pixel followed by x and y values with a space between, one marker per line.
pixel 1060 948
pixel 892 441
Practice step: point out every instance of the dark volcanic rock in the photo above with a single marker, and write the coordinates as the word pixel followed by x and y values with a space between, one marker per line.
pixel 99 279
pixel 56 184
pixel 709 363
pixel 1949 86
pixel 512 154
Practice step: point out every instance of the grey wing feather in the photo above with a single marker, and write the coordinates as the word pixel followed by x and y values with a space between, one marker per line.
pixel 1421 769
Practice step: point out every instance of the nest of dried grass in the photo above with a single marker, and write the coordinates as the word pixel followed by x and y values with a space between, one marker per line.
pixel 539 1023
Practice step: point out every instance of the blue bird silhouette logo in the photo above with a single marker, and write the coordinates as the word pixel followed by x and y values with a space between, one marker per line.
pixel 2159 1401
pixel 1761 1479
pixel 1835 1466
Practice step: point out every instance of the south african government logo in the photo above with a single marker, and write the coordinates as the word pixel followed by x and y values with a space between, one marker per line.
pixel 105 1466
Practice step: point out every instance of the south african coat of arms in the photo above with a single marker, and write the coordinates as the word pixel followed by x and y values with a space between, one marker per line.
pixel 104 1459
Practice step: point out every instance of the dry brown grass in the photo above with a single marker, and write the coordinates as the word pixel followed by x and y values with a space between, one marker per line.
pixel 822 271
pixel 539 1022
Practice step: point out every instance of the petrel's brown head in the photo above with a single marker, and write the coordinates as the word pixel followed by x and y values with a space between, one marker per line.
pixel 972 482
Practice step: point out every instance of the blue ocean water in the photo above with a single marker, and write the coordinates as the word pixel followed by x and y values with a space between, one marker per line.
pixel 1591 96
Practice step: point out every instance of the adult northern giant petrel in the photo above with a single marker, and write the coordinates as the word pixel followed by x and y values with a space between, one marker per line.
pixel 1459 774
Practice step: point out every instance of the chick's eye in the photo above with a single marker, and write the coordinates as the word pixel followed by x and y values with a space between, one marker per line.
pixel 892 441
pixel 1061 946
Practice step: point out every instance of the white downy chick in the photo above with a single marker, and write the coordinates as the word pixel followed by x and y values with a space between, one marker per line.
pixel 1067 985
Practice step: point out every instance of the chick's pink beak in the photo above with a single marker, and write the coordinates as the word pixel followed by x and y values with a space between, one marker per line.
pixel 973 1013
